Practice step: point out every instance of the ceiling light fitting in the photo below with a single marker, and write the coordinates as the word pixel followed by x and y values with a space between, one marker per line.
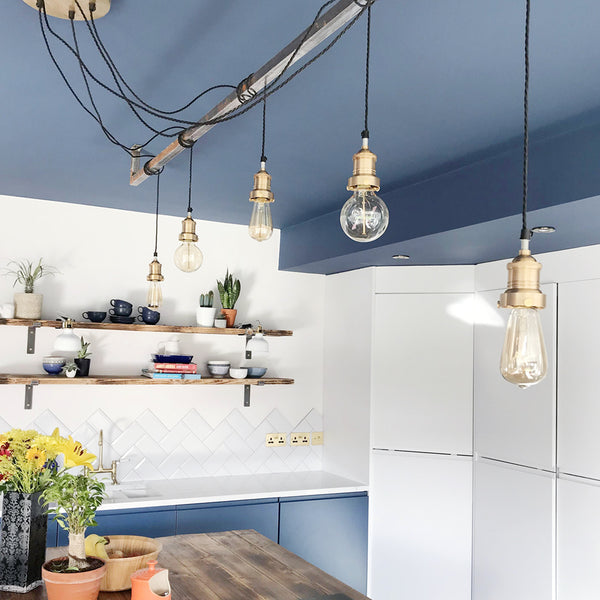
pixel 261 222
pixel 188 257
pixel 543 229
pixel 155 276
pixel 62 8
pixel 364 217
pixel 401 257
pixel 524 361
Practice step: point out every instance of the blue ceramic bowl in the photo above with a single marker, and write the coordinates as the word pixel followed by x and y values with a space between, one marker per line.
pixel 52 368
pixel 256 372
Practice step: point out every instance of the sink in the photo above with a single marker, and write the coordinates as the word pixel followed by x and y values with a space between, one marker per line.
pixel 127 490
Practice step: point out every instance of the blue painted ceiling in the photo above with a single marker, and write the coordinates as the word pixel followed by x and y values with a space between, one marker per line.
pixel 445 121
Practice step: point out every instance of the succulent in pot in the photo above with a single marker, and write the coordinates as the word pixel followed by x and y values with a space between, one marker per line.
pixel 28 305
pixel 229 292
pixel 75 499
pixel 205 313
pixel 82 361
pixel 70 369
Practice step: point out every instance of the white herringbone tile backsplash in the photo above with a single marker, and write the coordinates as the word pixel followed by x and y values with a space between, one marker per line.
pixel 149 450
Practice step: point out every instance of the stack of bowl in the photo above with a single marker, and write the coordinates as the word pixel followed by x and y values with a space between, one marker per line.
pixel 218 368
pixel 53 364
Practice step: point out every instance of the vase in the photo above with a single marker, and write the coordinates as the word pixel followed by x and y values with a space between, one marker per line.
pixel 28 306
pixel 230 314
pixel 22 542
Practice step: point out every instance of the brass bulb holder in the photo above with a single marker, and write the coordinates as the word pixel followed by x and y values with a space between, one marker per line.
pixel 262 186
pixel 363 175
pixel 155 271
pixel 523 289
pixel 188 229
pixel 62 8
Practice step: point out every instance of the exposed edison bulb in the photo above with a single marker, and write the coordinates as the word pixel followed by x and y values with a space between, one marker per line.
pixel 261 223
pixel 365 216
pixel 524 361
pixel 188 257
pixel 154 294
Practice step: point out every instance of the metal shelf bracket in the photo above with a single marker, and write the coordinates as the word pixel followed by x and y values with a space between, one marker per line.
pixel 29 393
pixel 31 337
pixel 247 392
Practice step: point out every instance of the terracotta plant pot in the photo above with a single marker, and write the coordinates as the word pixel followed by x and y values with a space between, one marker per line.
pixel 73 586
pixel 28 306
pixel 230 314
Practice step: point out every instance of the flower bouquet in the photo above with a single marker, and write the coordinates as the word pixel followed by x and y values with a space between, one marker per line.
pixel 29 463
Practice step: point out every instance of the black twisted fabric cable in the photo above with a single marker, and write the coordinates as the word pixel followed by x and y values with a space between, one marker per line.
pixel 189 208
pixel 525 231
pixel 263 158
pixel 365 133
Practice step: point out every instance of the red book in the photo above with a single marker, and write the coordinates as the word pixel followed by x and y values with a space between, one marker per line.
pixel 175 367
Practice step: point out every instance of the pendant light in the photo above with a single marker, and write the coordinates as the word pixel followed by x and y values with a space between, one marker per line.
pixel 155 276
pixel 67 344
pixel 364 217
pixel 256 342
pixel 261 223
pixel 524 361
pixel 188 257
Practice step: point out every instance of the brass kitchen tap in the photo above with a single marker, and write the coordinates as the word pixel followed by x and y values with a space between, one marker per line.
pixel 101 468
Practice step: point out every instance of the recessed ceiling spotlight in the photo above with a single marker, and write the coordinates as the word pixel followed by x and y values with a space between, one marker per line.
pixel 401 257
pixel 543 229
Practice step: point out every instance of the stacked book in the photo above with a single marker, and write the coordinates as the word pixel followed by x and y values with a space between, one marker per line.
pixel 172 370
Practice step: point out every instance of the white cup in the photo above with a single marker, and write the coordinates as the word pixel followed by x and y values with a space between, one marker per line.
pixel 170 347
pixel 7 311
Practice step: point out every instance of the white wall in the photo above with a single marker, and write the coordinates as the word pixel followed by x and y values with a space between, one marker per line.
pixel 104 253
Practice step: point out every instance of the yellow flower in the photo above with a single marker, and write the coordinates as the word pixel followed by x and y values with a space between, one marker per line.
pixel 36 456
pixel 75 455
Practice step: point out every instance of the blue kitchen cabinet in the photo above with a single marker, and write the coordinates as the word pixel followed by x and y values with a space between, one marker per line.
pixel 330 532
pixel 262 515
pixel 149 522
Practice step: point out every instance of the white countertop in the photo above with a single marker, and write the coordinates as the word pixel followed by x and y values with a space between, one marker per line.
pixel 170 492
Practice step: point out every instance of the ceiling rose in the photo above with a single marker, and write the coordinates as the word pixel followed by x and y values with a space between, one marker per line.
pixel 61 8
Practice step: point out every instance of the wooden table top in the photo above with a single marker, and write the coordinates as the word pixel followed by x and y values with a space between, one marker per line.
pixel 232 565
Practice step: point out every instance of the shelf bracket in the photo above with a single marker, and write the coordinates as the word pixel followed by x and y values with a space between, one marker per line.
pixel 31 337
pixel 29 393
pixel 248 352
pixel 247 395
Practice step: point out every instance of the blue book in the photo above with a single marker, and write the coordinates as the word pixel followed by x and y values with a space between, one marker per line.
pixel 192 376
pixel 162 375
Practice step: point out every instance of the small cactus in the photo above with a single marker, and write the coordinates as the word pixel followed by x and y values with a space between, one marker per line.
pixel 206 300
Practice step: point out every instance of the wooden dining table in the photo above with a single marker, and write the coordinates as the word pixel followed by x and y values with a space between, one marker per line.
pixel 230 565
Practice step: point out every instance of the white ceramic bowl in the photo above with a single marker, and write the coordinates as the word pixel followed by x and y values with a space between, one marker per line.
pixel 218 362
pixel 218 371
pixel 54 360
pixel 238 373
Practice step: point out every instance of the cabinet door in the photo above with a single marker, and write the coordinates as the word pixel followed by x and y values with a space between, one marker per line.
pixel 329 532
pixel 261 515
pixel 578 378
pixel 512 424
pixel 420 527
pixel 422 365
pixel 513 525
pixel 149 522
pixel 578 535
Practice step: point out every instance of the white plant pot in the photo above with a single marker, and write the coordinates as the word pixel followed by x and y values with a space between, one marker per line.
pixel 28 306
pixel 205 316
pixel 70 373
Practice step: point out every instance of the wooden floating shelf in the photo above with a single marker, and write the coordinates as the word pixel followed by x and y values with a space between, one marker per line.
pixel 142 327
pixel 129 380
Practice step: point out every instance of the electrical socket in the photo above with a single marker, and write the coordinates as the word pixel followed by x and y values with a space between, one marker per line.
pixel 300 439
pixel 317 438
pixel 275 439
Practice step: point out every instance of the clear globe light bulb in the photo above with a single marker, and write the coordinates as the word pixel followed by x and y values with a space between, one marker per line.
pixel 188 257
pixel 365 216
pixel 154 295
pixel 524 361
pixel 261 223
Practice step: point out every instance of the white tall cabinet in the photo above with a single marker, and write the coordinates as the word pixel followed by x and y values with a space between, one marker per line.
pixel 421 434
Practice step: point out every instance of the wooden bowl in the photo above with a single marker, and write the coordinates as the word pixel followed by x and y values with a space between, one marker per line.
pixel 119 570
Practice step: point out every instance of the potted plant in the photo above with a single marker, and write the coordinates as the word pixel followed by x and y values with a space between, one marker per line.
pixel 82 361
pixel 28 305
pixel 229 292
pixel 205 313
pixel 70 369
pixel 28 464
pixel 75 499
